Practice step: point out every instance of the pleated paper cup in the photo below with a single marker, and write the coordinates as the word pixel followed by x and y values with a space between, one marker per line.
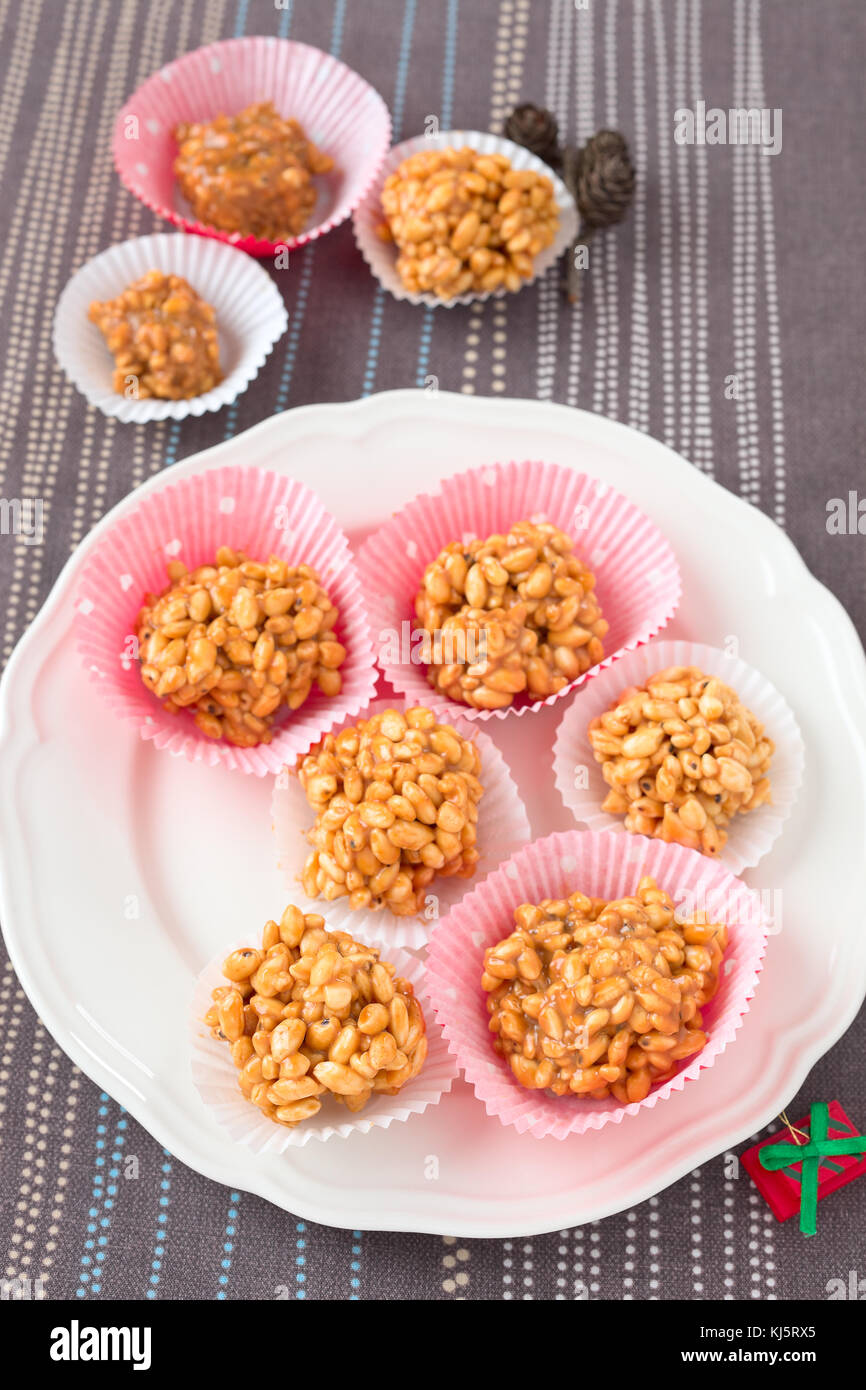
pixel 637 576
pixel 249 509
pixel 338 110
pixel 250 318
pixel 381 256
pixel 215 1075
pixel 603 866
pixel 582 787
pixel 503 826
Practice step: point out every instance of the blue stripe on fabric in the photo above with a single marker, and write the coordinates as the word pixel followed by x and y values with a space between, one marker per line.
pixel 286 20
pixel 228 1244
pixel 426 338
pixel 296 317
pixel 104 1191
pixel 241 17
pixel 375 339
pixel 301 1260
pixel 161 1224
pixel 355 1267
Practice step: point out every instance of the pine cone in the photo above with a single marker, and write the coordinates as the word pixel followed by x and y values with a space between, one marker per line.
pixel 605 179
pixel 535 128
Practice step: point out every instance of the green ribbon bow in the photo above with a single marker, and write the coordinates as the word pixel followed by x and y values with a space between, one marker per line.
pixel 810 1156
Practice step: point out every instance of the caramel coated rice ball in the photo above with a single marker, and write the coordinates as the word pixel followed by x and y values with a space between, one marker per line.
pixel 512 614
pixel 594 998
pixel 238 640
pixel 682 756
pixel 313 1014
pixel 397 800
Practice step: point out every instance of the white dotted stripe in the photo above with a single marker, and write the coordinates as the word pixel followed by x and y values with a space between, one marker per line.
pixel 577 1272
pixel 509 50
pixel 26 26
pixel 556 100
pixel 696 1233
pixel 61 1178
pixel 665 228
pixel 37 1112
pixel 518 1271
pixel 99 432
pixel 654 1234
pixel 455 1268
pixel 131 218
pixel 771 290
pixel 24 262
pixel 610 243
pixel 599 287
pixel 498 352
pixel 629 1263
pixel 702 448
pixel 683 162
pixel 151 460
pixel 639 358
pixel 584 85
pixel 37 283
pixel 151 56
pixel 12 1002
pixel 470 352
pixel 745 253
pixel 728 1238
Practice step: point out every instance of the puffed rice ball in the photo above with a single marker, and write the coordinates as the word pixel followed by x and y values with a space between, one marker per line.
pixel 397 800
pixel 236 641
pixel 515 613
pixel 595 998
pixel 682 756
pixel 313 1014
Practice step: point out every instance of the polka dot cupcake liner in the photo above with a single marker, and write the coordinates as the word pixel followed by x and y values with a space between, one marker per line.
pixel 250 509
pixel 602 866
pixel 338 110
pixel 637 576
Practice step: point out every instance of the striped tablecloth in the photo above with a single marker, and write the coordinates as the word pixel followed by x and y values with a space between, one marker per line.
pixel 721 317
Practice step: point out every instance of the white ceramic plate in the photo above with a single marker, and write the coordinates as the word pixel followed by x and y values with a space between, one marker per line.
pixel 123 871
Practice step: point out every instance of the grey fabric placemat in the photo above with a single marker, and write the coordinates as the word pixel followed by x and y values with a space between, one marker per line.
pixel 722 317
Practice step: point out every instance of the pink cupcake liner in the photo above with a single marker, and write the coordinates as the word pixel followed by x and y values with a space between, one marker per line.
pixel 638 579
pixel 339 111
pixel 216 1079
pixel 250 509
pixel 579 777
pixel 606 867
pixel 503 826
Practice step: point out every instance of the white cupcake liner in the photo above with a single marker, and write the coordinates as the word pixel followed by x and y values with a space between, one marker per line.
pixel 381 256
pixel 503 827
pixel 215 1075
pixel 338 110
pixel 750 835
pixel 250 317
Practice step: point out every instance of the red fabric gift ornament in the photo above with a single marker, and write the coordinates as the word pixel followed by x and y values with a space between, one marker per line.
pixel 827 1152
